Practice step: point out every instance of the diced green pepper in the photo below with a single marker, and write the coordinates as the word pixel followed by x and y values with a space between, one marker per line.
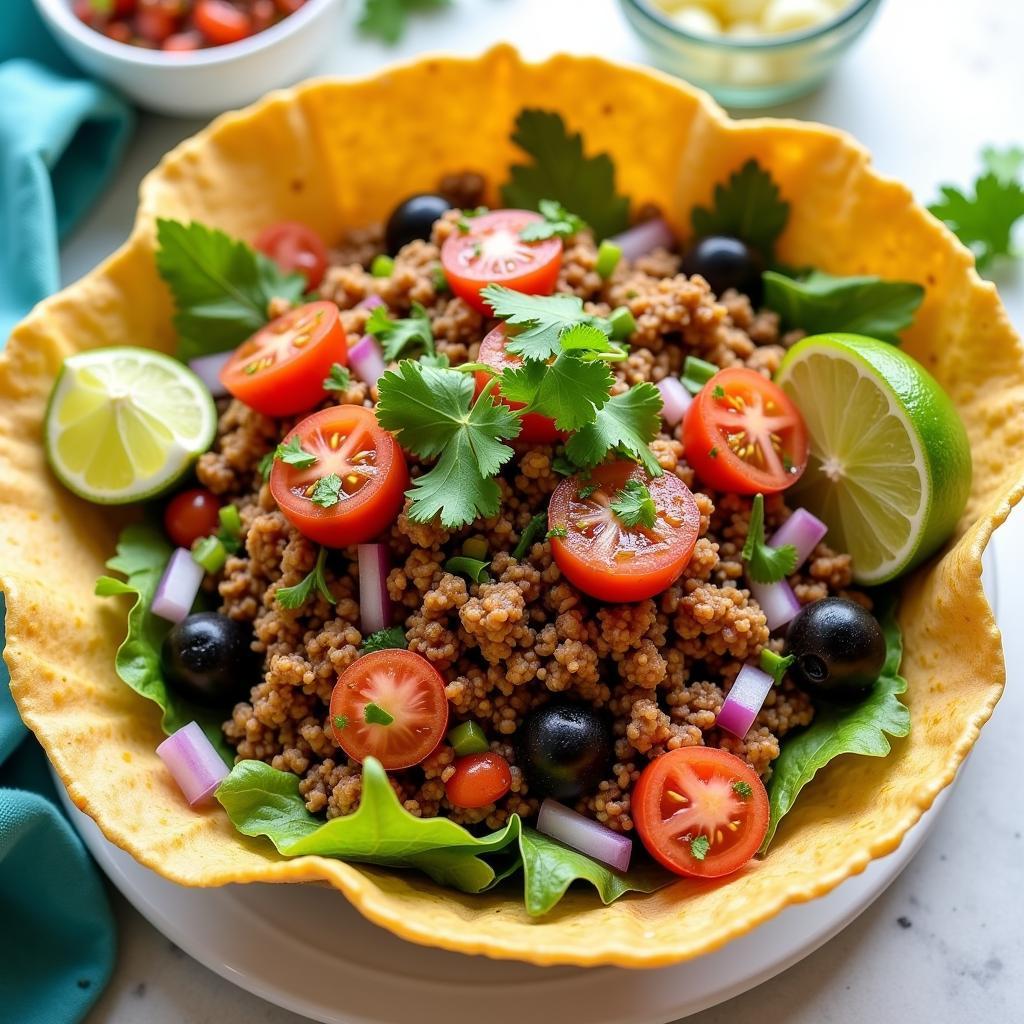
pixel 468 738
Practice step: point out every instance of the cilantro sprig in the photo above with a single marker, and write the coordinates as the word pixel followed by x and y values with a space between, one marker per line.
pixel 626 424
pixel 765 564
pixel 392 638
pixel 297 596
pixel 293 454
pixel 399 337
pixel 634 505
pixel 557 222
pixel 338 379
pixel 386 19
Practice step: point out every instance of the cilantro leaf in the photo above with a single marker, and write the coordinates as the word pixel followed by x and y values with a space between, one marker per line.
pixel 386 19
pixel 327 491
pixel 399 336
pixel 765 564
pixel 374 714
pixel 1006 164
pixel 221 286
pixel 742 790
pixel 295 597
pixel 629 421
pixel 558 222
pixel 820 303
pixel 338 379
pixel 568 390
pixel 383 640
pixel 340 721
pixel 293 454
pixel 634 505
pixel 699 847
pixel 561 171
pixel 266 464
pixel 544 319
pixel 748 206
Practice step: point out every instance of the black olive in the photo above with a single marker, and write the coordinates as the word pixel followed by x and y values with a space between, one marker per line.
pixel 838 645
pixel 413 218
pixel 565 749
pixel 208 658
pixel 726 263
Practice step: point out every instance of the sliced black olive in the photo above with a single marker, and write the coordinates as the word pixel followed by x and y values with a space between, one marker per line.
pixel 209 659
pixel 726 263
pixel 413 218
pixel 838 645
pixel 565 750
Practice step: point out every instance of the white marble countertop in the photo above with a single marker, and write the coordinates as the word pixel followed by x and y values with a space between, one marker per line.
pixel 924 92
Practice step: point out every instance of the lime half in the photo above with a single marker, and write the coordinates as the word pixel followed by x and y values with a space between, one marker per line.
pixel 123 424
pixel 890 466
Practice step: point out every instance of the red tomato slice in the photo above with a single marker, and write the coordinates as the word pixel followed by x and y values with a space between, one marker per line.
pixel 479 780
pixel 536 429
pixel 190 515
pixel 280 370
pixel 742 433
pixel 491 252
pixel 371 477
pixel 294 246
pixel 700 811
pixel 609 560
pixel 390 705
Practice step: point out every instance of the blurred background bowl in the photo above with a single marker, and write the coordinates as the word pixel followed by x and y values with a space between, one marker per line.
pixel 743 71
pixel 201 82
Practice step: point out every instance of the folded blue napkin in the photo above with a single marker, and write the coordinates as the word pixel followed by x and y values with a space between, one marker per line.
pixel 60 139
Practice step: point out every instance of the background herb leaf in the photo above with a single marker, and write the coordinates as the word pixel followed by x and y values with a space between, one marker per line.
pixel 399 337
pixel 384 639
pixel 543 319
pixel 386 19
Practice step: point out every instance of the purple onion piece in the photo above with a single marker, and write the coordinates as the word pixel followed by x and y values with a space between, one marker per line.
pixel 176 592
pixel 366 360
pixel 777 601
pixel 641 239
pixel 675 400
pixel 744 701
pixel 207 369
pixel 193 762
pixel 584 834
pixel 371 302
pixel 803 531
pixel 374 602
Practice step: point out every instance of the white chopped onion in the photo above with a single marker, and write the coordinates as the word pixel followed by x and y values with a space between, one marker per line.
pixel 584 834
pixel 176 592
pixel 374 603
pixel 744 701
pixel 803 531
pixel 366 360
pixel 193 762
pixel 777 601
pixel 675 400
pixel 371 302
pixel 641 239
pixel 207 369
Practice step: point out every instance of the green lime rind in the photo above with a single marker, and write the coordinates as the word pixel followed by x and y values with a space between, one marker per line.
pixel 935 435
pixel 167 412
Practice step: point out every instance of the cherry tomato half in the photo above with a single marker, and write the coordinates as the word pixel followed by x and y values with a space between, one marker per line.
pixel 280 370
pixel 355 488
pixel 609 560
pixel 700 811
pixel 294 246
pixel 479 780
pixel 190 515
pixel 743 433
pixel 491 252
pixel 535 429
pixel 221 22
pixel 390 705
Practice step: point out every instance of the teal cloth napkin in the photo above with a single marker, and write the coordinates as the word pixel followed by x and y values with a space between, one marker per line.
pixel 60 139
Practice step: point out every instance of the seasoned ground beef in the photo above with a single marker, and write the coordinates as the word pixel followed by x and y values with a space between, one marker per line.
pixel 660 667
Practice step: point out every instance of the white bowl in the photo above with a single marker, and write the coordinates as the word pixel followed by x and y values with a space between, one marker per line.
pixel 200 82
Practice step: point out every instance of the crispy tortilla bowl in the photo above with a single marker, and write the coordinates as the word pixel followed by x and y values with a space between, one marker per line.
pixel 307 154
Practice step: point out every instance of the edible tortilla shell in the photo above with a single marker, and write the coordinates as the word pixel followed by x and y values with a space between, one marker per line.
pixel 340 153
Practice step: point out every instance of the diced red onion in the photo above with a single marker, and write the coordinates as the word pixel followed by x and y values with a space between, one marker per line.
pixel 777 601
pixel 366 359
pixel 371 302
pixel 176 592
pixel 744 701
pixel 641 239
pixel 675 399
pixel 584 834
pixel 374 603
pixel 194 763
pixel 207 369
pixel 803 531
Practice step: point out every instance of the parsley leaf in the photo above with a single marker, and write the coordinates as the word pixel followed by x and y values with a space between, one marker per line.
pixel 297 596
pixel 338 379
pixel 560 171
pixel 544 319
pixel 221 286
pixel 383 640
pixel 748 206
pixel 294 454
pixel 634 505
pixel 699 847
pixel 386 19
pixel 820 303
pixel 985 220
pixel 628 421
pixel 765 564
pixel 568 390
pixel 327 491
pixel 558 222
pixel 742 790
pixel 399 336
pixel 374 714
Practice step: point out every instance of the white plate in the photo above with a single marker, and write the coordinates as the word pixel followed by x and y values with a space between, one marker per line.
pixel 306 949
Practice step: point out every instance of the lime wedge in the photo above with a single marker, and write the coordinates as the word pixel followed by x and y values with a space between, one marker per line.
pixel 890 465
pixel 124 424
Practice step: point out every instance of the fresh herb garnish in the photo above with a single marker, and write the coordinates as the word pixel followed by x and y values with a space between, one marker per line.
pixel 985 221
pixel 293 454
pixel 338 379
pixel 587 491
pixel 386 19
pixel 699 847
pixel 627 422
pixel 696 373
pixel 820 303
pixel 564 466
pixel 392 638
pixel 634 506
pixel 534 528
pixel 748 206
pixel 340 722
pixel 561 171
pixel 557 531
pixel 718 392
pixel 398 337
pixel 374 714
pixel 297 596
pixel 775 664
pixel 765 564
pixel 439 278
pixel 558 222
pixel 742 790
pixel 473 569
pixel 221 286
pixel 327 491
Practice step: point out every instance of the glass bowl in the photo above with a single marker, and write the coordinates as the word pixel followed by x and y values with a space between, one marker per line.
pixel 749 71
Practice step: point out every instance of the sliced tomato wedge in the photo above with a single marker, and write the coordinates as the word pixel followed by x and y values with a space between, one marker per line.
pixel 603 556
pixel 743 433
pixel 490 251
pixel 295 246
pixel 280 370
pixel 354 489
pixel 390 705
pixel 700 811
pixel 535 429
